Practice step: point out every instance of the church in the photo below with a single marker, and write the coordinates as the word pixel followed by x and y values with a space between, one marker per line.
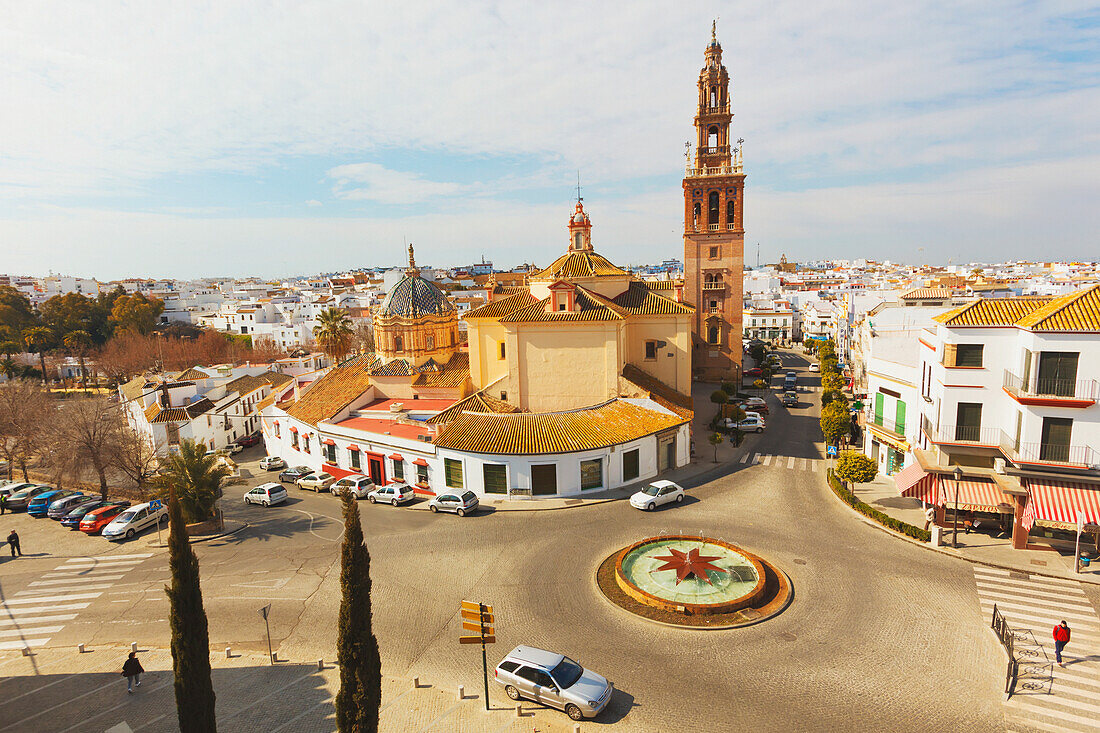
pixel 578 380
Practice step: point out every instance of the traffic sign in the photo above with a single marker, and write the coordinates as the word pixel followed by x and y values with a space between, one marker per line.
pixel 155 504
pixel 475 616
pixel 476 627
pixel 830 451
pixel 476 640
pixel 476 607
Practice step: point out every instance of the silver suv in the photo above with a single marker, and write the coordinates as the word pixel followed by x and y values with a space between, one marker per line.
pixel 554 680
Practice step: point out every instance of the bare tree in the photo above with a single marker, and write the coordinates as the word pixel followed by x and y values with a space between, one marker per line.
pixel 90 428
pixel 362 339
pixel 25 412
pixel 135 457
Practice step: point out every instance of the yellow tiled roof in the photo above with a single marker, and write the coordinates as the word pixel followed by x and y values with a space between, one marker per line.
pixel 580 264
pixel 659 392
pixel 991 312
pixel 477 402
pixel 503 306
pixel 1078 311
pixel 524 433
pixel 334 391
pixel 192 373
pixel 926 293
pixel 641 300
pixel 592 308
pixel 453 374
pixel 135 388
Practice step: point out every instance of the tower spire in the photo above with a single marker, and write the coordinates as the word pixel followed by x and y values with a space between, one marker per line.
pixel 579 198
pixel 412 262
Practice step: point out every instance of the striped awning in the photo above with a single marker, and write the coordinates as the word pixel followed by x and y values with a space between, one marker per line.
pixel 916 483
pixel 974 496
pixel 1056 503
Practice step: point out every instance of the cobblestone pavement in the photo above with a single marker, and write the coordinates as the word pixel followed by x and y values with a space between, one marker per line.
pixel 882 634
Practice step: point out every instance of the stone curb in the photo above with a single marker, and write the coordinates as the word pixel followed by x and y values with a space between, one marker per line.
pixel 949 552
pixel 207 538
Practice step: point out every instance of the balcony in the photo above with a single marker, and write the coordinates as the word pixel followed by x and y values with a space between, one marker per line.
pixel 713 227
pixel 714 285
pixel 974 435
pixel 885 423
pixel 1057 454
pixel 714 150
pixel 1052 392
pixel 731 226
pixel 712 170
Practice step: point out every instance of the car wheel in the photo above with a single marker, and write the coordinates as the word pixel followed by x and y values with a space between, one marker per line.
pixel 574 712
pixel 265 502
pixel 760 430
pixel 460 512
pixel 129 534
pixel 433 508
pixel 371 499
pixel 247 500
pixel 511 692
pixel 394 502
pixel 679 498
pixel 650 506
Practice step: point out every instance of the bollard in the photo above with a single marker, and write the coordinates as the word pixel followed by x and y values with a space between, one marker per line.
pixel 416 682
pixel 229 652
pixel 519 710
pixel 133 646
pixel 576 728
pixel 80 648
pixel 320 665
pixel 274 657
pixel 461 692
pixel 26 651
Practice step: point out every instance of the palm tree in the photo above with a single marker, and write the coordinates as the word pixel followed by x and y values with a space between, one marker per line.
pixel 7 364
pixel 195 478
pixel 38 339
pixel 334 333
pixel 79 342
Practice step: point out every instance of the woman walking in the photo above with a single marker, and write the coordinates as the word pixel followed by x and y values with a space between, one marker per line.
pixel 132 670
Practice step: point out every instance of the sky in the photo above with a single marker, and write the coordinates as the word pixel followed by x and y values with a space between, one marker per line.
pixel 161 139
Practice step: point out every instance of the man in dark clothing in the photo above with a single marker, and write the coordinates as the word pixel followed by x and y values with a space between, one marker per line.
pixel 13 542
pixel 3 504
pixel 1061 638
pixel 132 670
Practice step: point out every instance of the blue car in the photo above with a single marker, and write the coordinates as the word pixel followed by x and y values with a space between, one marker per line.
pixel 39 505
pixel 72 519
pixel 61 507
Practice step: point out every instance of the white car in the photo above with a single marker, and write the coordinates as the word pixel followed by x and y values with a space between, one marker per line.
pixel 656 494
pixel 266 495
pixel 752 423
pixel 815 367
pixel 271 463
pixel 316 481
pixel 358 485
pixel 392 494
pixel 135 519
pixel 234 448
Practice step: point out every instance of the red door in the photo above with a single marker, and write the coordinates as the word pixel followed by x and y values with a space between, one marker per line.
pixel 376 468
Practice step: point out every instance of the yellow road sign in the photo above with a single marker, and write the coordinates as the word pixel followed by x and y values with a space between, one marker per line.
pixel 476 607
pixel 476 639
pixel 475 616
pixel 476 628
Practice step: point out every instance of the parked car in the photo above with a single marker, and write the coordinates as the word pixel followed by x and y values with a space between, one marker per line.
pixel 72 519
pixel 95 520
pixel 754 372
pixel 39 506
pixel 461 504
pixel 358 484
pixel 293 474
pixel 233 448
pixel 554 680
pixel 754 403
pixel 656 494
pixel 270 463
pixel 815 367
pixel 316 481
pixel 61 507
pixel 19 500
pixel 249 440
pixel 790 399
pixel 9 489
pixel 751 424
pixel 133 520
pixel 266 494
pixel 396 493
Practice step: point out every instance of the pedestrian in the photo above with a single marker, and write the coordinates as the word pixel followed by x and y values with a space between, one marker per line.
pixel 132 670
pixel 1061 638
pixel 13 542
pixel 3 504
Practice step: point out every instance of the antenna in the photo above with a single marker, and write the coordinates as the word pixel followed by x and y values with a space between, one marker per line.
pixel 579 198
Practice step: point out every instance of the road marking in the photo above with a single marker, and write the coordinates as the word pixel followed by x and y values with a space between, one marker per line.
pixel 89 573
pixel 48 599
pixel 745 458
pixel 75 580
pixel 446 712
pixel 34 630
pixel 37 689
pixel 85 558
pixel 37 619
pixel 63 589
pixel 125 565
pixel 813 466
pixel 767 460
pixel 40 609
pixel 154 720
pixel 790 462
pixel 10 645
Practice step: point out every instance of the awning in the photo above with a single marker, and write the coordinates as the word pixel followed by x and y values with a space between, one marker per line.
pixel 974 496
pixel 337 472
pixel 420 462
pixel 329 441
pixel 354 447
pixel 913 481
pixel 293 429
pixel 276 422
pixel 398 457
pixel 1056 503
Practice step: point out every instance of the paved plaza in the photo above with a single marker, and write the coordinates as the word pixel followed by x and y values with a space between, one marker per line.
pixel 882 634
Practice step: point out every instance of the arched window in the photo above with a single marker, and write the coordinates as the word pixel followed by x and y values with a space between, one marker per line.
pixel 713 97
pixel 712 214
pixel 577 240
pixel 731 209
pixel 695 220
pixel 431 341
pixel 712 139
pixel 397 344
pixel 712 334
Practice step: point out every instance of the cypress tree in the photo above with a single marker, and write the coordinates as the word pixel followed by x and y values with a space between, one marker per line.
pixel 360 693
pixel 190 639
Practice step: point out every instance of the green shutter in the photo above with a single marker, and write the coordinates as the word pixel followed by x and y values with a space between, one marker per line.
pixel 878 407
pixel 452 470
pixel 900 419
pixel 496 479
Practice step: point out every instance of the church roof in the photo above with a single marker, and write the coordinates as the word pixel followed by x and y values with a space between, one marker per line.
pixel 477 402
pixel 503 306
pixel 334 391
pixel 414 296
pixel 640 300
pixel 591 308
pixel 450 375
pixel 580 264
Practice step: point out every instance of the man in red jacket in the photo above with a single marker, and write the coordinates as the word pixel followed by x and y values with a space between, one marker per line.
pixel 1061 638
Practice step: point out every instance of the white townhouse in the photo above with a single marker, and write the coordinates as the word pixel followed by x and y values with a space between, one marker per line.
pixel 1008 394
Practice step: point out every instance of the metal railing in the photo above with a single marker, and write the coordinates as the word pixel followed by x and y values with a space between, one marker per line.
pixel 1063 453
pixel 1004 633
pixel 962 434
pixel 731 225
pixel 1079 389
pixel 712 170
pixel 886 423
pixel 714 150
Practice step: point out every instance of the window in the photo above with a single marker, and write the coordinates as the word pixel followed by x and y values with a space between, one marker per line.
pixel 712 334
pixel 422 475
pixel 1057 373
pixel 630 465
pixel 398 470
pixel 712 209
pixel 544 479
pixel 650 350
pixel 353 456
pixel 508 666
pixel 577 240
pixel 561 306
pixel 276 430
pixel 502 352
pixel 592 474
pixel 294 441
pixel 696 209
pixel 397 344
pixel 731 209
pixel 968 355
pixel 430 341
pixel 305 443
pixel 330 453
pixel 968 422
pixel 1056 435
pixel 452 472
pixel 496 478
pixel 714 253
pixel 504 395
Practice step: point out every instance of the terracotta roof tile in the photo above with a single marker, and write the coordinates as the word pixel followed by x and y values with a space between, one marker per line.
pixel 660 392
pixel 580 264
pixel 1078 311
pixel 641 300
pixel 451 375
pixel 503 306
pixel 991 312
pixel 926 294
pixel 592 308
pixel 334 391
pixel 477 402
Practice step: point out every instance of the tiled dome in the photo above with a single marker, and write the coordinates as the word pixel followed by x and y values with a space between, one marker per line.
pixel 414 296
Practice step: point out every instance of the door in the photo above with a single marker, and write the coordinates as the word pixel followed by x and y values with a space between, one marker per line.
pixel 1056 435
pixel 544 479
pixel 1057 373
pixel 376 469
pixel 548 693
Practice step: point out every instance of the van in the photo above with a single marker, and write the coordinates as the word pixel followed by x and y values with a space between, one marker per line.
pixel 135 519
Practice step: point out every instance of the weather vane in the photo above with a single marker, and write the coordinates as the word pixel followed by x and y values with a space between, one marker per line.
pixel 687 150
pixel 579 199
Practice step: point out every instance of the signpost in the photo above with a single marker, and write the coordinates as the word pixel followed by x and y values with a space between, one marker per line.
pixel 155 505
pixel 1077 547
pixel 264 612
pixel 478 618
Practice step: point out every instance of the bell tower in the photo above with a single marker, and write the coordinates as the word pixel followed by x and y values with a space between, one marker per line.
pixel 714 233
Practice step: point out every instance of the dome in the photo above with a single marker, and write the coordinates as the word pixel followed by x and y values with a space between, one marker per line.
pixel 414 296
pixel 578 218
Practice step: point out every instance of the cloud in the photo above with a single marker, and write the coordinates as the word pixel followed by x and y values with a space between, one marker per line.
pixel 373 182
pixel 314 202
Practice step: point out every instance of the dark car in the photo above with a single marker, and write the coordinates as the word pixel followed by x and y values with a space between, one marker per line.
pixel 72 519
pixel 61 507
pixel 249 440
pixel 19 500
pixel 295 473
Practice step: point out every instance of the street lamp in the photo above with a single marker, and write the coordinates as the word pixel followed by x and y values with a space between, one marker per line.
pixel 955 515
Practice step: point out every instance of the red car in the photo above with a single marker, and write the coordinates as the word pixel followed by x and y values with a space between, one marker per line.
pixel 754 372
pixel 249 440
pixel 95 520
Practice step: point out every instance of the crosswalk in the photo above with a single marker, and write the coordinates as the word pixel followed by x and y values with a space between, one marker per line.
pixel 30 617
pixel 1047 697
pixel 777 461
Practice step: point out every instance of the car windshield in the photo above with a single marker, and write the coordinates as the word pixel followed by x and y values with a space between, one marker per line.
pixel 126 515
pixel 323 476
pixel 651 490
pixel 566 673
pixel 303 470
pixel 469 496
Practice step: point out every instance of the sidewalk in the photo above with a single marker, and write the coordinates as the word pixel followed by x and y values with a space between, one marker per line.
pixel 978 547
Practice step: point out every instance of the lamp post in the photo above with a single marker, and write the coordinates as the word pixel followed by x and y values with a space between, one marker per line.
pixel 955 514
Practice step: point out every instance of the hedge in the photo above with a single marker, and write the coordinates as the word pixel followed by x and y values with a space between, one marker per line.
pixel 869 511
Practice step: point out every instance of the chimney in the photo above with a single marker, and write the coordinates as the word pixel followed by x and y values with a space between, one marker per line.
pixel 678 289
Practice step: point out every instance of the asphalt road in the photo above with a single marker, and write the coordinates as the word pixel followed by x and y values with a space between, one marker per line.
pixel 881 634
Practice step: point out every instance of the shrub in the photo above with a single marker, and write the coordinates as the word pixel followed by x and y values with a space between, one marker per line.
pixel 729 388
pixel 855 468
pixel 719 397
pixel 869 511
pixel 835 423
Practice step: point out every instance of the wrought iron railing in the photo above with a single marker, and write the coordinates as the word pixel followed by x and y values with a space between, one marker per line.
pixel 884 422
pixel 962 434
pixel 714 285
pixel 1004 633
pixel 1064 453
pixel 1079 389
